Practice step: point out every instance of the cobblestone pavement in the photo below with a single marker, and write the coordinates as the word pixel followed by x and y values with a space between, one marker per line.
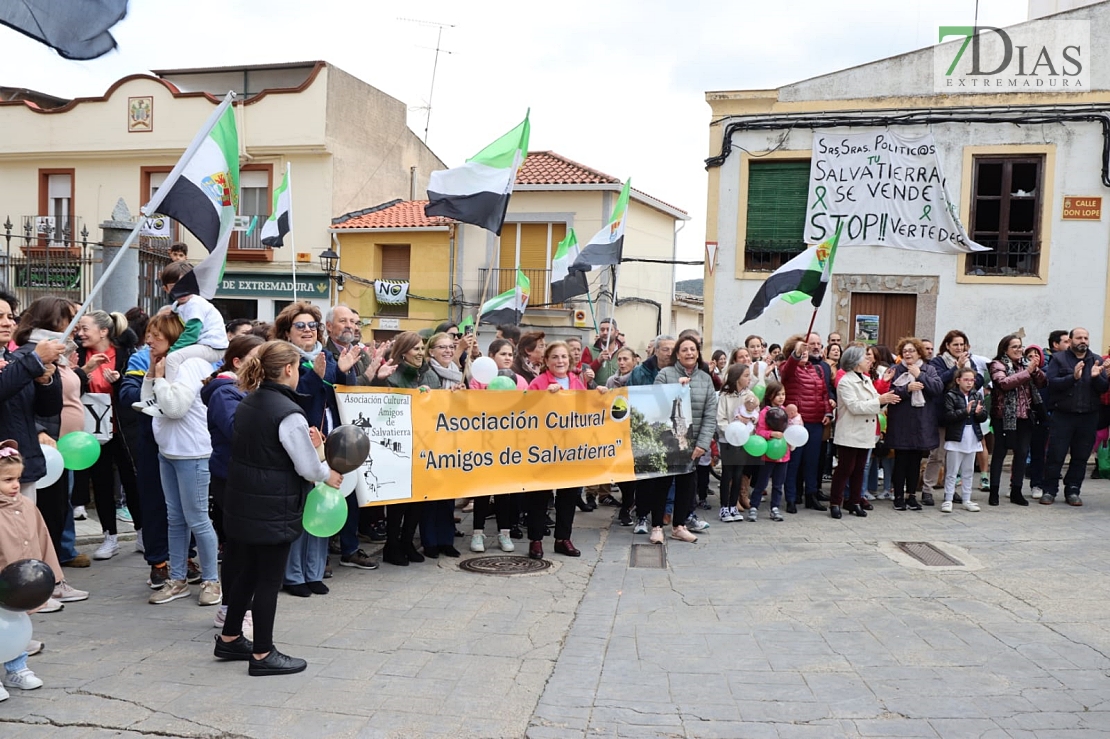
pixel 810 627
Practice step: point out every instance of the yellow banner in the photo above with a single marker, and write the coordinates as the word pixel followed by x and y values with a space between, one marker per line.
pixel 443 444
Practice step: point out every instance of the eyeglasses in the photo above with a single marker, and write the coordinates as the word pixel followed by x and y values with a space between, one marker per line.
pixel 440 347
pixel 301 325
pixel 454 335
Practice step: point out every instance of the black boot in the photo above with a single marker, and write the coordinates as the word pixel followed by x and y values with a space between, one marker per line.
pixel 834 511
pixel 791 507
pixel 413 553
pixel 992 498
pixel 857 510
pixel 1017 498
pixel 813 504
pixel 591 501
pixel 582 505
pixel 394 555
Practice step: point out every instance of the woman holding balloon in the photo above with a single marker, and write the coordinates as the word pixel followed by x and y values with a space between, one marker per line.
pixel 858 405
pixel 273 464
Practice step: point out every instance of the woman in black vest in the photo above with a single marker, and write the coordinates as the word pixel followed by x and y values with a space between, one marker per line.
pixel 273 466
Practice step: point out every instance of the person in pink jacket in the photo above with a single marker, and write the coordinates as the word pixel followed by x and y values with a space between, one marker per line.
pixel 773 470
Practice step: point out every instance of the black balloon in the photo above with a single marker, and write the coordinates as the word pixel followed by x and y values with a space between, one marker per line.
pixel 25 585
pixel 346 448
pixel 776 419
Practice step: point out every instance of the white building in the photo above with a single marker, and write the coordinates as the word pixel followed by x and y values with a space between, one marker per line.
pixel 1015 160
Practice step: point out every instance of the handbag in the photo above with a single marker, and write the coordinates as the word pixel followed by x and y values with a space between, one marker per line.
pixel 1102 459
pixel 99 415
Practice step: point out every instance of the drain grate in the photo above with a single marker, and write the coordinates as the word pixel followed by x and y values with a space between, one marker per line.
pixel 504 565
pixel 927 554
pixel 652 556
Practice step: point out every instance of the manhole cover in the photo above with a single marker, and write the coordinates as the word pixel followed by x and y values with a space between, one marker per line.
pixel 652 556
pixel 927 554
pixel 504 565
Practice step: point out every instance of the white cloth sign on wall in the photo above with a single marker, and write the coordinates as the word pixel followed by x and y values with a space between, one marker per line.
pixel 887 190
pixel 391 292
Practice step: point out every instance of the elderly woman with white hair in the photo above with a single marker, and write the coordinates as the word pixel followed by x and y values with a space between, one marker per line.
pixel 857 427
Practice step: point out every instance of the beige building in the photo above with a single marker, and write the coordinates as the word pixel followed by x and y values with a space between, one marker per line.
pixel 65 163
pixel 454 267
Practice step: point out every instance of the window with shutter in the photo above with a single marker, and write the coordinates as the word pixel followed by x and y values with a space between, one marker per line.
pixel 777 194
pixel 394 266
pixel 538 242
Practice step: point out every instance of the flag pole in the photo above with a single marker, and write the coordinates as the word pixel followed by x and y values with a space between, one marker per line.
pixel 292 250
pixel 104 277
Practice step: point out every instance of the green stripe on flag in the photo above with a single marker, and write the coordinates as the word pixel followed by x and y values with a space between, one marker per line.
pixel 226 137
pixel 501 154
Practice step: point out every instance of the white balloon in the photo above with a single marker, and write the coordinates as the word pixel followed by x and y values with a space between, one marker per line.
pixel 483 370
pixel 796 436
pixel 349 481
pixel 15 632
pixel 54 467
pixel 737 433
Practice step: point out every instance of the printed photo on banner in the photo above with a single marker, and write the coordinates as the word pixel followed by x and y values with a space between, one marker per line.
pixel 660 429
pixel 387 419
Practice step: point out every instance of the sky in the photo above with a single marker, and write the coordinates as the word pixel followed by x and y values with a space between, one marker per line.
pixel 617 85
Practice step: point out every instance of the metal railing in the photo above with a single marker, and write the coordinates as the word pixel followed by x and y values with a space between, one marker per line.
pixel 50 259
pixel 767 255
pixel 252 240
pixel 1010 258
pixel 497 281
pixel 52 231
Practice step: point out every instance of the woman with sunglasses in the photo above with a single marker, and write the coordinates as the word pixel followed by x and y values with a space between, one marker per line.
pixel 301 324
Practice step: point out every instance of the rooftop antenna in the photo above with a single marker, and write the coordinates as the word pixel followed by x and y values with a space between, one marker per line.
pixel 435 64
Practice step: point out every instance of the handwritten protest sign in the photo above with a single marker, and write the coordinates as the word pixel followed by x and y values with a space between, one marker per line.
pixel 887 190
pixel 442 444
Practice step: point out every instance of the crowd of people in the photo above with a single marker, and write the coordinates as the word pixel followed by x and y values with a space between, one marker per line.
pixel 218 429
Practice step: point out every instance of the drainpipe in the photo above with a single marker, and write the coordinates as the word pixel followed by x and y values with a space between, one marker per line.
pixel 412 183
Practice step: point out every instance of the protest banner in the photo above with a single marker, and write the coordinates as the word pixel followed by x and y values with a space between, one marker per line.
pixel 440 444
pixel 886 190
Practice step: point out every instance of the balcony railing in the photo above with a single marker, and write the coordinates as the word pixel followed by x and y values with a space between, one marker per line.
pixel 1015 257
pixel 500 280
pixel 767 255
pixel 52 231
pixel 252 240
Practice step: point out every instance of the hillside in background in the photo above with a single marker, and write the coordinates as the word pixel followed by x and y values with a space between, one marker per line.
pixel 690 287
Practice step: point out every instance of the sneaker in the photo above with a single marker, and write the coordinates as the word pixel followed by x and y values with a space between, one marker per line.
pixel 736 514
pixel 693 523
pixel 946 507
pixel 641 526
pixel 927 499
pixel 220 618
pixel 625 518
pixel 122 514
pixel 50 606
pixel 139 542
pixel 149 407
pixel 984 483
pixel 776 515
pixel 1036 493
pixel 3 695
pixel 170 590
pixel 361 560
pixel 22 679
pixel 886 495
pixel 34 647
pixel 79 513
pixel 66 593
pixel 725 515
pixel 211 594
pixel 505 542
pixel 192 572
pixel 159 574
pixel 971 506
pixel 478 542
pixel 108 549
pixel 752 514
pixel 868 495
pixel 81 560
pixel 378 532
pixel 1047 499
pixel 683 534
pixel 705 505
pixel 656 535
pixel 1073 499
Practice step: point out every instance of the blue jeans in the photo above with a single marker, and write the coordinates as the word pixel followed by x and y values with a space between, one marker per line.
pixel 670 498
pixel 68 545
pixel 307 559
pixel 871 474
pixel 17 664
pixel 808 458
pixel 775 473
pixel 185 484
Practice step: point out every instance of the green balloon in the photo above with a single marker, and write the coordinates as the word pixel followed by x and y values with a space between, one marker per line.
pixel 760 390
pixel 325 511
pixel 756 445
pixel 776 449
pixel 501 383
pixel 79 450
pixel 882 422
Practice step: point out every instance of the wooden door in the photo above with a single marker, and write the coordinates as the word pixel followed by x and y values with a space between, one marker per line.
pixel 897 316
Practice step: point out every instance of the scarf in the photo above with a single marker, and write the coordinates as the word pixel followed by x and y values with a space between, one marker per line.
pixel 533 369
pixel 917 398
pixel 618 381
pixel 948 359
pixel 310 355
pixel 1010 399
pixel 452 374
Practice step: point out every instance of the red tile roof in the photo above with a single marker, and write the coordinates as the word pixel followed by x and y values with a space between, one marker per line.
pixel 549 168
pixel 394 214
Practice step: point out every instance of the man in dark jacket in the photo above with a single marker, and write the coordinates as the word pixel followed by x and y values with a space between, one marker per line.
pixel 1076 379
pixel 645 373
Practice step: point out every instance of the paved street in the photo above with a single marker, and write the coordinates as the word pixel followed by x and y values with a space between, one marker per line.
pixel 810 627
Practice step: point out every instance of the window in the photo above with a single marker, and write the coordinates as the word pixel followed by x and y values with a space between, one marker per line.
pixel 55 224
pixel 1005 215
pixel 537 243
pixel 777 194
pixel 254 200
pixel 395 259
